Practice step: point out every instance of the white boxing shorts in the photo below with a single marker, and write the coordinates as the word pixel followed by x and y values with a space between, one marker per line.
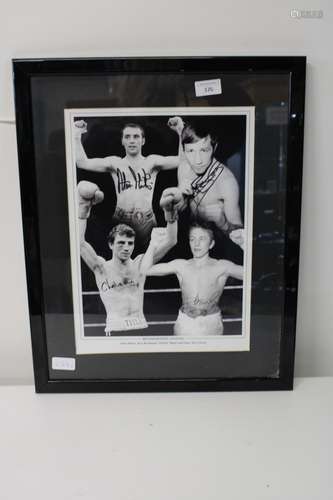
pixel 116 323
pixel 200 326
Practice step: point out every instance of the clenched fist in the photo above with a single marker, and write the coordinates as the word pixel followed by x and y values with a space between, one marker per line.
pixel 176 123
pixel 80 128
pixel 237 236
pixel 89 194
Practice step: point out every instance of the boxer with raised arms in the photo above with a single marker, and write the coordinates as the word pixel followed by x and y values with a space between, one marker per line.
pixel 134 175
pixel 121 279
pixel 208 187
pixel 202 280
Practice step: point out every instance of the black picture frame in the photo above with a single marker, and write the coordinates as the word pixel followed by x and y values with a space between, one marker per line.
pixel 263 82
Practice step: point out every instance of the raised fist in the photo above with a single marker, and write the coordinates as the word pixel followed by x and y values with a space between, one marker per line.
pixel 172 200
pixel 80 128
pixel 237 236
pixel 176 124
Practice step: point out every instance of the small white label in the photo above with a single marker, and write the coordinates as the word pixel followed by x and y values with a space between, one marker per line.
pixel 63 364
pixel 208 87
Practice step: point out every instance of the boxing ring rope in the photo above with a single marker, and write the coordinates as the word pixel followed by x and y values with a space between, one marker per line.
pixel 93 325
pixel 168 290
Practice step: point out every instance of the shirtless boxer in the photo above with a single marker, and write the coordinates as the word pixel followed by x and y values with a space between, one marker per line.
pixel 120 280
pixel 211 189
pixel 134 175
pixel 202 280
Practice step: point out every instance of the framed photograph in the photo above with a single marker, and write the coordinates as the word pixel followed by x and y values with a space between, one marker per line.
pixel 161 211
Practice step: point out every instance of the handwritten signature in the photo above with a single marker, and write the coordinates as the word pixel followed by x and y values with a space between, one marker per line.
pixel 106 285
pixel 136 180
pixel 197 301
pixel 202 184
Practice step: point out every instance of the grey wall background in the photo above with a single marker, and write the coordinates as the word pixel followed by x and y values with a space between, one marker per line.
pixel 154 27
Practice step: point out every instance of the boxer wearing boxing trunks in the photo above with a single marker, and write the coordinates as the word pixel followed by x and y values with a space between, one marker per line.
pixel 121 279
pixel 134 176
pixel 200 326
pixel 202 281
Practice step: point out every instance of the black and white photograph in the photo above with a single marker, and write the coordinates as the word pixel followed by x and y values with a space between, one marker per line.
pixel 160 209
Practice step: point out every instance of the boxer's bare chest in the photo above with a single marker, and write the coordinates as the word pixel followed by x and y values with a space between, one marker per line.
pixel 118 280
pixel 203 281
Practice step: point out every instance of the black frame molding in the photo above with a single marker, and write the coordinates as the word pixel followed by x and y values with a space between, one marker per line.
pixel 24 70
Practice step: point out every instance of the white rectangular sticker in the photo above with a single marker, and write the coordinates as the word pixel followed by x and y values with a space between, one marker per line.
pixel 63 364
pixel 208 87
